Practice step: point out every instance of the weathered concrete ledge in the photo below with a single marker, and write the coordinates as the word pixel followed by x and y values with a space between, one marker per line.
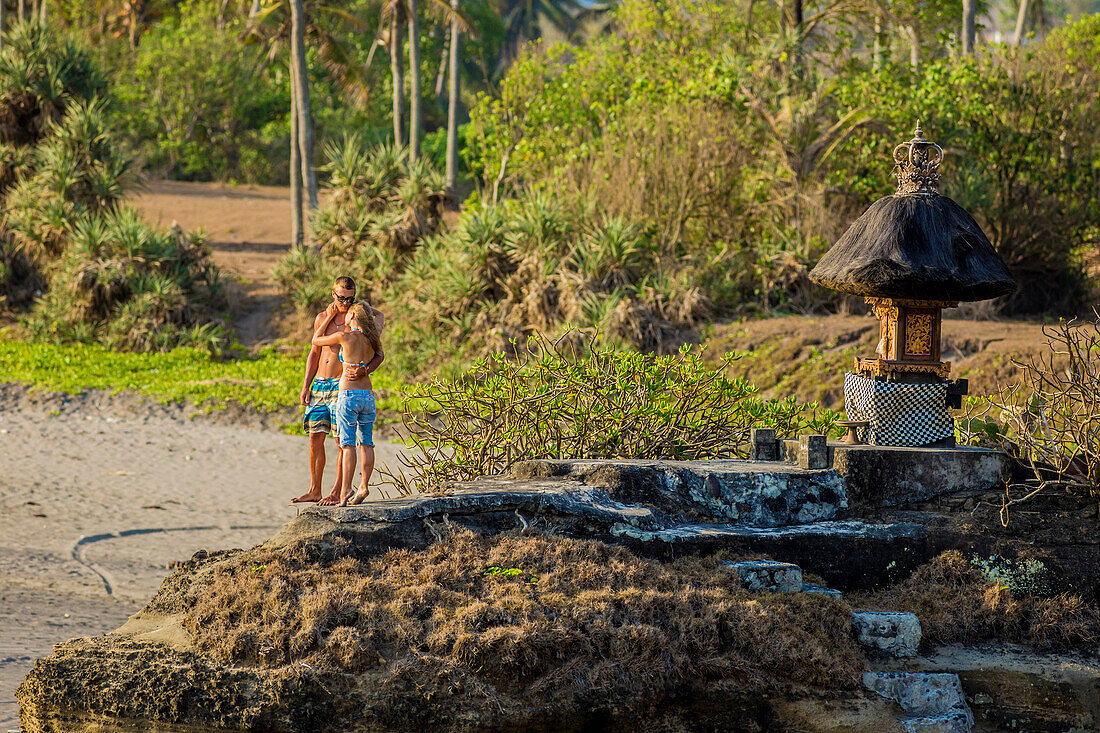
pixel 883 476
pixel 847 554
pixel 493 494
pixel 752 493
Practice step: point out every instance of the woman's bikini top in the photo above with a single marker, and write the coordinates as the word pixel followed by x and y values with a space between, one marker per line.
pixel 340 356
pixel 357 363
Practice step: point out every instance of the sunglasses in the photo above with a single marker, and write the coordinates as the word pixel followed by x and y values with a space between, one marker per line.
pixel 346 300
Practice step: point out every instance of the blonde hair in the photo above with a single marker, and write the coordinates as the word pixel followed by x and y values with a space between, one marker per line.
pixel 364 320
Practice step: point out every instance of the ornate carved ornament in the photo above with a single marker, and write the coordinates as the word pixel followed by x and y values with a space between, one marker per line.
pixel 894 302
pixel 883 367
pixel 916 166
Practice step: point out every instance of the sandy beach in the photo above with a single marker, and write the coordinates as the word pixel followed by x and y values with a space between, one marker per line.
pixel 99 494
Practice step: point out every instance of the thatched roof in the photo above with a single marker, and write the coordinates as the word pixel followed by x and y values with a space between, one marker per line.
pixel 922 246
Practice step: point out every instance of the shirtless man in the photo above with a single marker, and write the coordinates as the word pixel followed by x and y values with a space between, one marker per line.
pixel 321 386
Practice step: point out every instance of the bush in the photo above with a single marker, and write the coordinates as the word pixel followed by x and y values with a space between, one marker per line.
pixel 1049 420
pixel 1019 133
pixel 573 399
pixel 199 103
pixel 132 287
pixel 959 603
pixel 105 274
pixel 746 155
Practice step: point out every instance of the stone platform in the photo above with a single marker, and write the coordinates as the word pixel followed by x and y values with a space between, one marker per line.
pixel 882 476
pixel 660 509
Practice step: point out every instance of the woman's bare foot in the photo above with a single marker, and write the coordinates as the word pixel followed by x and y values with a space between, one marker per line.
pixel 310 495
pixel 359 496
pixel 333 499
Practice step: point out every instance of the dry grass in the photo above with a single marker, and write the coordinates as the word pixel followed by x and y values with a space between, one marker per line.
pixel 957 603
pixel 575 621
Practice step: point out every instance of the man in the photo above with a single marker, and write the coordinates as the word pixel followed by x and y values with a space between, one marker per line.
pixel 321 387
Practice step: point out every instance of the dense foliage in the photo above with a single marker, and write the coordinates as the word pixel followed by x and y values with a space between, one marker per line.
pixel 93 269
pixel 747 154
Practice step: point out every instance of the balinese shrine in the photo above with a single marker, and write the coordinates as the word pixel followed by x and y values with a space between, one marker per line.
pixel 910 255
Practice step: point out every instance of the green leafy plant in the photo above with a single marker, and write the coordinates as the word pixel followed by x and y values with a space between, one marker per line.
pixel 570 398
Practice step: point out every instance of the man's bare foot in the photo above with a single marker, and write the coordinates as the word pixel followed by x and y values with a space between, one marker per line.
pixel 333 499
pixel 359 497
pixel 310 495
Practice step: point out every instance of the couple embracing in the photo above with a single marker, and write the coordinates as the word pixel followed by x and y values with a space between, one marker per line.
pixel 337 393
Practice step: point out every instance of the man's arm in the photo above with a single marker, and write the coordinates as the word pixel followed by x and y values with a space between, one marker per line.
pixel 313 360
pixel 379 355
pixel 376 360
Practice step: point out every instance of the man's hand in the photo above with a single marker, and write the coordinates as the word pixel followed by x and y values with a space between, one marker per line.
pixel 354 371
pixel 304 397
pixel 332 310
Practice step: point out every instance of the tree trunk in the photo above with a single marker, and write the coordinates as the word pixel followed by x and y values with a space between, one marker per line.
pixel 1021 20
pixel 876 53
pixel 297 233
pixel 914 45
pixel 398 73
pixel 452 104
pixel 22 10
pixel 2 27
pixel 968 20
pixel 300 74
pixel 444 60
pixel 42 13
pixel 414 81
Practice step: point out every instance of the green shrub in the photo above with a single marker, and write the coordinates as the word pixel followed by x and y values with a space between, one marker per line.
pixel 133 287
pixel 571 398
pixel 98 271
pixel 199 103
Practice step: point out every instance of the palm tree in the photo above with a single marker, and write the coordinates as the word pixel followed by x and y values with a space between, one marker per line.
pixel 523 21
pixel 452 104
pixel 969 12
pixel 414 81
pixel 303 112
pixel 394 12
pixel 274 24
pixel 397 12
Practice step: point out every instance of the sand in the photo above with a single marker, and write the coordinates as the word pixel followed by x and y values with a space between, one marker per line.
pixel 248 228
pixel 99 494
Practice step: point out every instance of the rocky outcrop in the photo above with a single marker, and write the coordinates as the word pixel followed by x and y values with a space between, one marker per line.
pixel 146 676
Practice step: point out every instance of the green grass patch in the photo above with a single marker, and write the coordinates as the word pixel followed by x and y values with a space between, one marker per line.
pixel 268 382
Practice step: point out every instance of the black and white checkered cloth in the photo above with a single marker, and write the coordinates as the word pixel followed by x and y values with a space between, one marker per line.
pixel 900 414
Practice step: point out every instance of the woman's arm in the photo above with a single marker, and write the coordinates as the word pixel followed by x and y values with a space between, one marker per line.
pixel 319 337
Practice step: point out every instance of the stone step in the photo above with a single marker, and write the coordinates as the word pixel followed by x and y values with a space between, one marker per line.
pixel 897 634
pixel 918 693
pixel 849 555
pixel 959 721
pixel 814 588
pixel 498 494
pixel 888 476
pixel 933 702
pixel 781 577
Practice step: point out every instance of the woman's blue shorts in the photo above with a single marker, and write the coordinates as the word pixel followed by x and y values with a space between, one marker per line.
pixel 355 415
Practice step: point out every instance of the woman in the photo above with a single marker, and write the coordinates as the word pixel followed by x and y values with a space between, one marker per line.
pixel 355 409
